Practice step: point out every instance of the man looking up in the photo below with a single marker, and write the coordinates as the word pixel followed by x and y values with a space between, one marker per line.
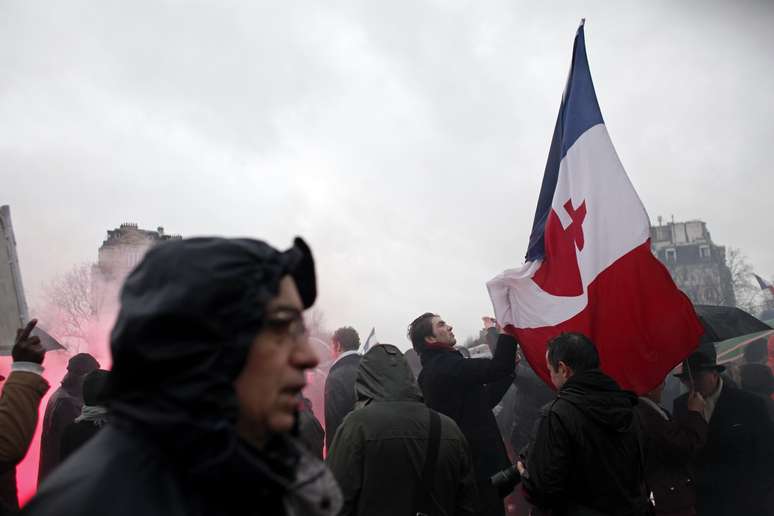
pixel 587 455
pixel 340 383
pixel 466 390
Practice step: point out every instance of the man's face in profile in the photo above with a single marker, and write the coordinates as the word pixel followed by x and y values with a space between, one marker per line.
pixel 269 385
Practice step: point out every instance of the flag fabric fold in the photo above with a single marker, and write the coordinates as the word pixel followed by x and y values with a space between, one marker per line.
pixel 589 266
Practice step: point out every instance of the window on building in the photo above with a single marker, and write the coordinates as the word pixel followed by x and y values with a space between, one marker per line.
pixel 671 255
pixel 704 251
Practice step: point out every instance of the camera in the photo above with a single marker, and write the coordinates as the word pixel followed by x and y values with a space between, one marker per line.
pixel 506 480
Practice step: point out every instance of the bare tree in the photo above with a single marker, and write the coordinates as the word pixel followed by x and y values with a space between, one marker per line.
pixel 748 294
pixel 316 324
pixel 74 306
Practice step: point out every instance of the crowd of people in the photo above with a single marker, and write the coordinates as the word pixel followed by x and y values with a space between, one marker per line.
pixel 203 413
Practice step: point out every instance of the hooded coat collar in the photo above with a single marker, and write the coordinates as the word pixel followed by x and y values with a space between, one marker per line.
pixel 384 375
pixel 601 399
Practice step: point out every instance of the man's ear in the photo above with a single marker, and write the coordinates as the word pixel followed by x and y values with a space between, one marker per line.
pixel 430 340
pixel 565 370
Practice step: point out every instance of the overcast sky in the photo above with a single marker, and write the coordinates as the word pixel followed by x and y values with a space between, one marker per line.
pixel 405 140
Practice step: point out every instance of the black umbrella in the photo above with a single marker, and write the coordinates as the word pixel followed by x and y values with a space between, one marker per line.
pixel 727 322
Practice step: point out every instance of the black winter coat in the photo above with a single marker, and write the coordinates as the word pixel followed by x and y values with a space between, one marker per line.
pixel 671 446
pixel 379 452
pixel 339 394
pixel 310 431
pixel 587 454
pixel 62 409
pixel 467 390
pixel 75 436
pixel 531 395
pixel 735 470
pixel 121 473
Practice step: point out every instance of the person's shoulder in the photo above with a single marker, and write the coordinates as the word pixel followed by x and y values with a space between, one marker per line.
pixel 351 361
pixel 450 428
pixel 103 478
pixel 440 361
pixel 28 379
pixel 742 400
pixel 345 363
pixel 567 414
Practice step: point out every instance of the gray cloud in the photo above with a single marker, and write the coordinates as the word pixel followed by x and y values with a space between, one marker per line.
pixel 405 140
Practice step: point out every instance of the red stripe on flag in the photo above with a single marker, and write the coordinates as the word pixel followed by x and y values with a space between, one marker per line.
pixel 641 324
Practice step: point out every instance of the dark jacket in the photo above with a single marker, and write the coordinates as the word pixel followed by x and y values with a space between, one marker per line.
pixel 137 477
pixel 671 446
pixel 76 435
pixel 310 431
pixel 379 453
pixel 587 454
pixel 339 394
pixel 467 390
pixel 190 313
pixel 62 409
pixel 457 387
pixel 19 406
pixel 735 470
pixel 532 394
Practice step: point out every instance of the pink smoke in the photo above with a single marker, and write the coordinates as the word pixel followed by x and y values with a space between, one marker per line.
pixel 98 344
pixel 55 364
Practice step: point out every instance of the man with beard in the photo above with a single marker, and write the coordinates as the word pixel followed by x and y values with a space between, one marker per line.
pixel 209 352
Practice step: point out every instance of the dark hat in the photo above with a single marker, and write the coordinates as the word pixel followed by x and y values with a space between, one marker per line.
pixel 94 387
pixel 703 359
pixel 300 265
pixel 82 364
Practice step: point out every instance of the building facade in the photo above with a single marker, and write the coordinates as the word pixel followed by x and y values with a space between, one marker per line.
pixel 124 247
pixel 696 263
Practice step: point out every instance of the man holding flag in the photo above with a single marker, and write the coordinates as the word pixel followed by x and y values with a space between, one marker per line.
pixel 611 312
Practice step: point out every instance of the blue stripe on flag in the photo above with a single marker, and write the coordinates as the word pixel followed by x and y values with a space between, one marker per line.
pixel 578 112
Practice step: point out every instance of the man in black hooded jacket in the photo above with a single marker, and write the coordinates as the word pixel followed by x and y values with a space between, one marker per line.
pixel 209 357
pixel 586 457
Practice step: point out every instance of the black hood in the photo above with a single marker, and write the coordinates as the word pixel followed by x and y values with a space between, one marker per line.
pixel 601 399
pixel 384 375
pixel 189 313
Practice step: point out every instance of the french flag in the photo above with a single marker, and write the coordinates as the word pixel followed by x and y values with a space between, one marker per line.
pixel 764 284
pixel 589 266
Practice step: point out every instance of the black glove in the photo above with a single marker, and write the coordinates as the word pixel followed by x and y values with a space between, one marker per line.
pixel 26 348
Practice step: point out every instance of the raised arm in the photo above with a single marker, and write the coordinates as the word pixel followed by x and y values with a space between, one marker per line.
pixel 482 371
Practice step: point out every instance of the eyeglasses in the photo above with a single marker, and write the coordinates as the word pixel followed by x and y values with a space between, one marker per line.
pixel 286 322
